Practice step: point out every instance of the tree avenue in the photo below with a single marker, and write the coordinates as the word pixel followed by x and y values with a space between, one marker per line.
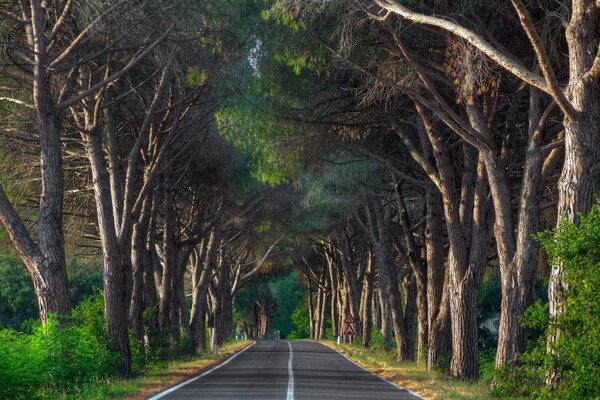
pixel 232 169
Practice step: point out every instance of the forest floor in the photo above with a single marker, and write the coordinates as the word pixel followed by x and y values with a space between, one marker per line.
pixel 413 375
pixel 157 378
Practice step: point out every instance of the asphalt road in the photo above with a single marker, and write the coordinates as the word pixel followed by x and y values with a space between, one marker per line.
pixel 287 370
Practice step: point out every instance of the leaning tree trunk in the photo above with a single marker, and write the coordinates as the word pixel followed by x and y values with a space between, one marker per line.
pixel 50 284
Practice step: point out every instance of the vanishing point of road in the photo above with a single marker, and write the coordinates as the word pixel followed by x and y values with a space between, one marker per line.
pixel 290 370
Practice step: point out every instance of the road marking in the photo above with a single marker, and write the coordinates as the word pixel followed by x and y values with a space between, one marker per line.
pixel 290 389
pixel 379 376
pixel 174 388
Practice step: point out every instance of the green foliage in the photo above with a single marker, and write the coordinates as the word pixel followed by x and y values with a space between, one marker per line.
pixel 85 279
pixel 288 293
pixel 301 322
pixel 55 359
pixel 195 77
pixel 576 355
pixel 333 193
pixel 17 298
pixel 488 309
pixel 18 303
pixel 258 140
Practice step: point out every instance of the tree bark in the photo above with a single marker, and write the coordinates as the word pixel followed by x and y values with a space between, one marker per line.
pixel 438 315
pixel 202 274
pixel 350 278
pixel 367 302
pixel 117 267
pixel 579 183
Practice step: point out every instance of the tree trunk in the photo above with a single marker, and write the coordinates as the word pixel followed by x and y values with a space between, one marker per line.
pixel 438 315
pixel 323 312
pixel 367 302
pixel 311 308
pixel 419 270
pixel 350 278
pixel 391 284
pixel 117 268
pixel 467 221
pixel 335 314
pixel 201 277
pixel 138 261
pixel 579 183
pixel 410 316
pixel 169 274
pixel 50 284
pixel 518 277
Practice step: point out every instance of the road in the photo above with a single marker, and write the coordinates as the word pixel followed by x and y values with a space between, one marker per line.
pixel 290 370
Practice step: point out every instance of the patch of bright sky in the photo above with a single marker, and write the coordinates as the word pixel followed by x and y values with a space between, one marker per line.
pixel 254 57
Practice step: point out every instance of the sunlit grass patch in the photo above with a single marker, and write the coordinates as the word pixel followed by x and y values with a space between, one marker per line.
pixel 154 380
pixel 413 375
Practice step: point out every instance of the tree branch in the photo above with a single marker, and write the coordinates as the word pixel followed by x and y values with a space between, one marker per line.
pixel 509 63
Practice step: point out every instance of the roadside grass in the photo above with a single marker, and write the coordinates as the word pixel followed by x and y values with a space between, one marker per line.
pixel 413 375
pixel 154 380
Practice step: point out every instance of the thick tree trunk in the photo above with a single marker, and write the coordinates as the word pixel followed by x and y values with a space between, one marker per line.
pixel 469 215
pixel 579 183
pixel 391 283
pixel 50 284
pixel 517 278
pixel 438 315
pixel 440 332
pixel 463 305
pixel 117 268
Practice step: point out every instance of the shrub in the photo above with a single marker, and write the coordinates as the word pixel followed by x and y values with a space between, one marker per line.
pixel 301 322
pixel 577 353
pixel 54 359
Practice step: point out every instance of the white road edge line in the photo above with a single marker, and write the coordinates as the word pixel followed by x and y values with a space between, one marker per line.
pixel 379 376
pixel 174 388
pixel 290 388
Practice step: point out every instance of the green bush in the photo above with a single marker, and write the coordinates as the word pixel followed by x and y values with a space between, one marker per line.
pixel 301 322
pixel 17 298
pixel 577 353
pixel 55 359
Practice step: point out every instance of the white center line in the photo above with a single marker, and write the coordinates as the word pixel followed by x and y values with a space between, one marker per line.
pixel 174 388
pixel 290 389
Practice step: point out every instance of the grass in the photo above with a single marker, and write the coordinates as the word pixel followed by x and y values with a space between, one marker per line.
pixel 413 375
pixel 156 379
